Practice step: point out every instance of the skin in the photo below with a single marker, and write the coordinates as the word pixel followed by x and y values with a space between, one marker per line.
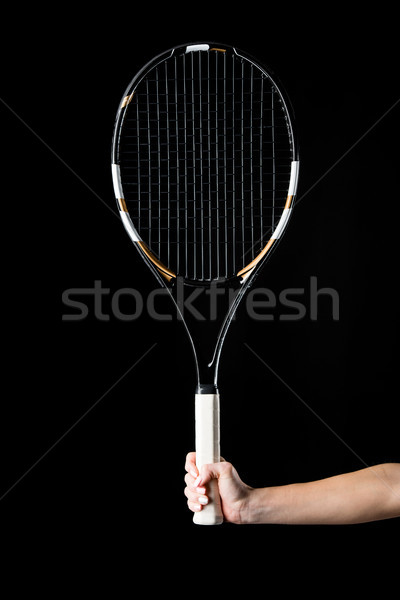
pixel 369 494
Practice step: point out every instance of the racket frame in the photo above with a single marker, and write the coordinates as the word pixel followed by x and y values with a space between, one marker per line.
pixel 206 395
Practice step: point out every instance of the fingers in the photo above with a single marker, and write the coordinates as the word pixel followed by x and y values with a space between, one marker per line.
pixel 195 493
pixel 196 482
pixel 190 464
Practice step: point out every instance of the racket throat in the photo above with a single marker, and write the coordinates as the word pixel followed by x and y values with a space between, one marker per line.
pixel 206 373
pixel 203 311
pixel 206 388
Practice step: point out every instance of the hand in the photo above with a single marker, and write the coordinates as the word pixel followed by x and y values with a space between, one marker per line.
pixel 233 492
pixel 368 494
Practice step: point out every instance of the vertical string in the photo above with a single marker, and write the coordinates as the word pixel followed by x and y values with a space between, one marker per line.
pixel 186 177
pixel 201 170
pixel 225 172
pixel 251 161
pixel 209 165
pixel 149 155
pixel 216 156
pixel 242 160
pixel 177 168
pixel 273 158
pixel 158 164
pixel 138 156
pixel 233 170
pixel 168 164
pixel 194 172
pixel 261 162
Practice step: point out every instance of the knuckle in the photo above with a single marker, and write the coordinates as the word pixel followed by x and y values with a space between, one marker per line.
pixel 190 456
pixel 226 468
pixel 190 494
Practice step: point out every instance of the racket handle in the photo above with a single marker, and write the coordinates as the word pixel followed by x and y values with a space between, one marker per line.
pixel 207 451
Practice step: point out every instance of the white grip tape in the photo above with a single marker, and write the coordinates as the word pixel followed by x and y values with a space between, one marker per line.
pixel 208 451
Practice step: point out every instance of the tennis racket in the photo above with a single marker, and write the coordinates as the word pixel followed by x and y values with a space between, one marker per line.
pixel 205 169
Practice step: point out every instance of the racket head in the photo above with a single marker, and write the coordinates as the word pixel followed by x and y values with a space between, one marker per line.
pixel 205 164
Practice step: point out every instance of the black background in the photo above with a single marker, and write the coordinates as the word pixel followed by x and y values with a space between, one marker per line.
pixel 107 500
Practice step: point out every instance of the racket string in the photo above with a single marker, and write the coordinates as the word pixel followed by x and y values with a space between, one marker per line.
pixel 205 161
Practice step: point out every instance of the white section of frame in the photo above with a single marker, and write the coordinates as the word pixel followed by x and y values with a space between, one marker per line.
pixel 196 47
pixel 133 234
pixel 294 176
pixel 282 224
pixel 127 221
pixel 116 177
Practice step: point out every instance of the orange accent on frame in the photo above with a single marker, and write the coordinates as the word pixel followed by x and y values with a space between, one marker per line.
pixel 257 259
pixel 288 201
pixel 218 49
pixel 165 272
pixel 126 100
pixel 122 205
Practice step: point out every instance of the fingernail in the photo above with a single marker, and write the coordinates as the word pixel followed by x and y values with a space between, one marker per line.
pixel 196 483
pixel 193 473
pixel 201 490
pixel 196 507
pixel 203 500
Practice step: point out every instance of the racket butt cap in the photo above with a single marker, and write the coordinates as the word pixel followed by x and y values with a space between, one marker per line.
pixel 207 519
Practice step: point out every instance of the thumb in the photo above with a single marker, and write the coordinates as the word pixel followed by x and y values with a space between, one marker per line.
pixel 211 471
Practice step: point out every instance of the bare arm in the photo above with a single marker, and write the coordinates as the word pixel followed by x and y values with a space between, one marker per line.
pixel 370 494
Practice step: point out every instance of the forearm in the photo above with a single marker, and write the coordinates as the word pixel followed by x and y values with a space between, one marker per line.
pixel 367 495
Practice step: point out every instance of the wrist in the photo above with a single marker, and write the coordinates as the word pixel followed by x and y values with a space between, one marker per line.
pixel 265 506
